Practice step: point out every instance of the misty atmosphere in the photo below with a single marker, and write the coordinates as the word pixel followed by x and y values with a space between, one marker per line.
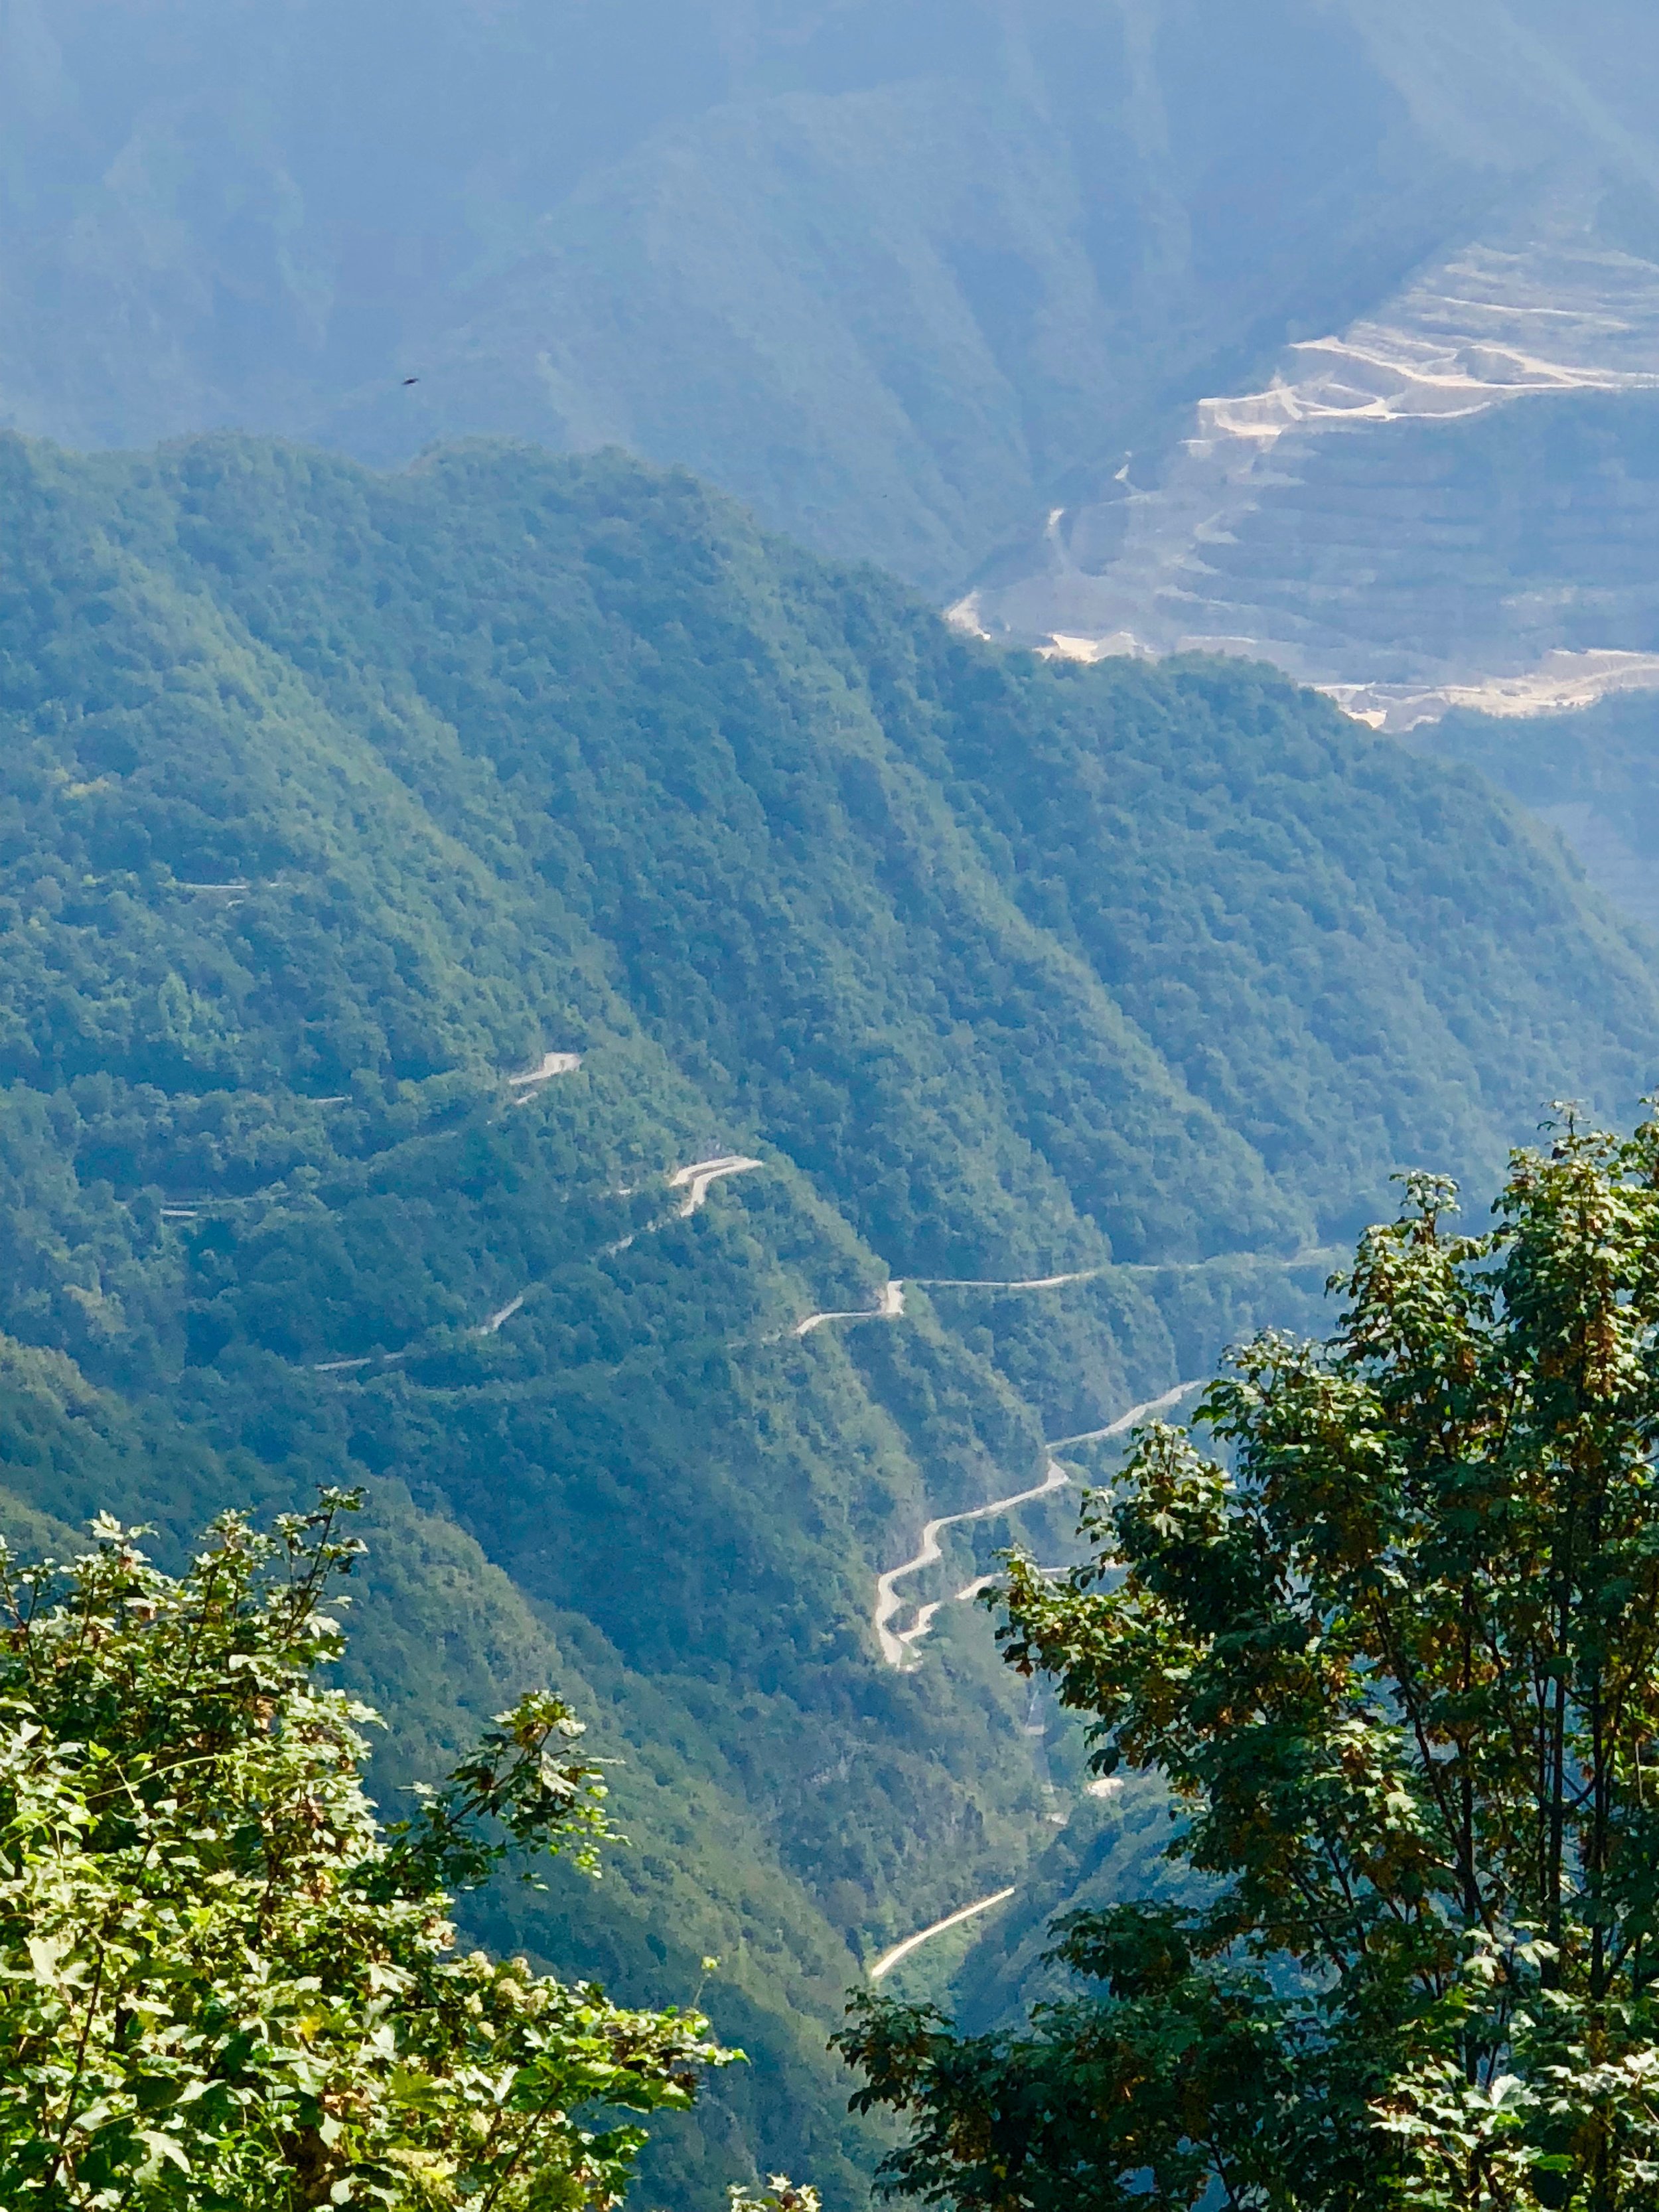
pixel 828 1004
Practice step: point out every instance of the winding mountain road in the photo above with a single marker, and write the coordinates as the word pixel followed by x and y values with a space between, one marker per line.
pixel 697 1180
pixel 889 1959
pixel 1127 1421
pixel 897 1648
pixel 501 1314
pixel 891 1308
pixel 1028 1283
pixel 550 1065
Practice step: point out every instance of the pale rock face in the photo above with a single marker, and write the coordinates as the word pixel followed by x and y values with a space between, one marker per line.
pixel 1438 505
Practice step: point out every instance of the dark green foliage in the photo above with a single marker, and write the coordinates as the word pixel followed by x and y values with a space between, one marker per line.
pixel 1109 2105
pixel 1399 1669
pixel 329 801
pixel 227 1986
pixel 870 876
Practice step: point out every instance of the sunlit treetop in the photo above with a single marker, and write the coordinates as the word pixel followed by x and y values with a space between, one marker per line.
pixel 223 1984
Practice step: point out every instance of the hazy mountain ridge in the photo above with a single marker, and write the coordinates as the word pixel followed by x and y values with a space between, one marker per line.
pixel 1442 500
pixel 1592 774
pixel 908 281
pixel 894 276
pixel 1448 501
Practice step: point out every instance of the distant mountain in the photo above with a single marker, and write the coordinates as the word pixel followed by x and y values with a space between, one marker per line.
pixel 901 276
pixel 1592 774
pixel 1444 498
pixel 1450 503
pixel 678 1071
pixel 1306 328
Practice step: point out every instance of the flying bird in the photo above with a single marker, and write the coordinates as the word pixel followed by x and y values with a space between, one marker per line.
pixel 411 380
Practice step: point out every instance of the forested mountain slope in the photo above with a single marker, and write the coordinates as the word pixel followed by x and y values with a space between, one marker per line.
pixel 406 881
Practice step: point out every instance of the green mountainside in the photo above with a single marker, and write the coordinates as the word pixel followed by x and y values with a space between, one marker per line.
pixel 332 804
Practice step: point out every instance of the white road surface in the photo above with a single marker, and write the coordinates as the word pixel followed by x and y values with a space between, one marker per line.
pixel 1028 1283
pixel 1126 1421
pixel 891 1308
pixel 892 1296
pixel 898 1647
pixel 895 1649
pixel 889 1959
pixel 550 1065
pixel 697 1180
pixel 501 1314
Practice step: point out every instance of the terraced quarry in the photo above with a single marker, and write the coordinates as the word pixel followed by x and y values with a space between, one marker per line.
pixel 1449 501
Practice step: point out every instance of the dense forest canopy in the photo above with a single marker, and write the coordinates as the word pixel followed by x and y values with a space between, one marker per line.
pixel 1592 774
pixel 408 880
pixel 228 1986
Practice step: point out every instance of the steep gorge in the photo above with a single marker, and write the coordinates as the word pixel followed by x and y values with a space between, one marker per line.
pixel 489 951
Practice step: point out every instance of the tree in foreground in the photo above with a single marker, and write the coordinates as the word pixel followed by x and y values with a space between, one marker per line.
pixel 222 1983
pixel 1398 1663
